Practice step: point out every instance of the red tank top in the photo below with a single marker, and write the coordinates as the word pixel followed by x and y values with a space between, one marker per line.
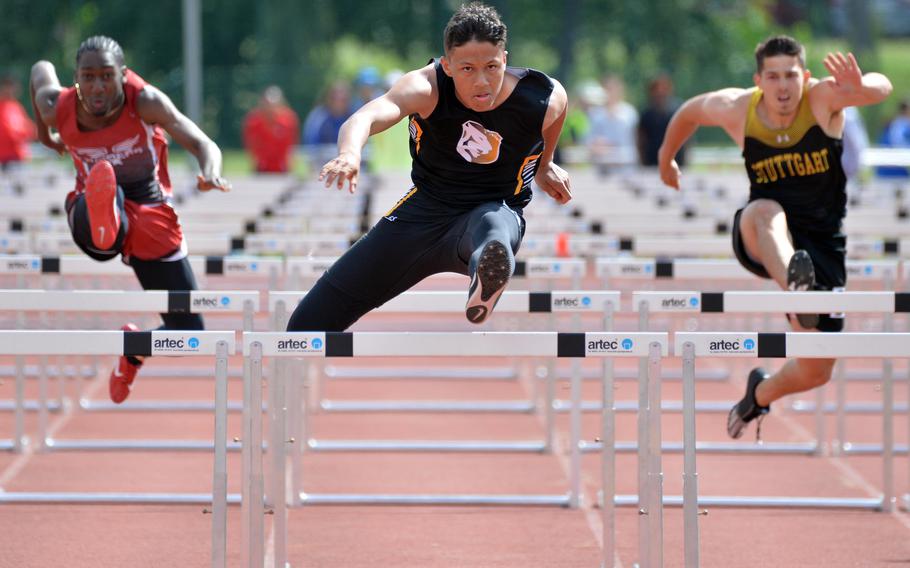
pixel 137 150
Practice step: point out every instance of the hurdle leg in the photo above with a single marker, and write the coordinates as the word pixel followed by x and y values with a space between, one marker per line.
pixel 608 465
pixel 41 436
pixel 19 441
pixel 840 383
pixel 690 475
pixel 278 451
pixel 820 435
pixel 295 377
pixel 257 511
pixel 643 446
pixel 888 436
pixel 575 438
pixel 219 477
pixel 655 470
pixel 550 399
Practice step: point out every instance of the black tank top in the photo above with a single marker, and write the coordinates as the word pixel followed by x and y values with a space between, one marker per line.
pixel 463 158
pixel 799 167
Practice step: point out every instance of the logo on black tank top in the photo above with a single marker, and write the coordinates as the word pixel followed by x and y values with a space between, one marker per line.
pixel 118 152
pixel 477 144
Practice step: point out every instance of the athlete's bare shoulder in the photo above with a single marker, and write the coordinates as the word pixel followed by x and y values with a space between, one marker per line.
pixel 559 102
pixel 416 92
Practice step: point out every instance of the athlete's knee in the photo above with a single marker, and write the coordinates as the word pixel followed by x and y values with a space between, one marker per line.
pixel 762 213
pixel 327 308
pixel 815 372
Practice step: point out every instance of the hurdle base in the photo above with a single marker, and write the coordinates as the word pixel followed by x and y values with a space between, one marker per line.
pixel 69 445
pixel 871 449
pixel 443 446
pixel 476 406
pixel 113 498
pixel 870 503
pixel 433 499
pixel 797 448
pixel 720 407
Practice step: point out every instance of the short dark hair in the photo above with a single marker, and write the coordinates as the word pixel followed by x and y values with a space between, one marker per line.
pixel 779 45
pixel 474 21
pixel 101 43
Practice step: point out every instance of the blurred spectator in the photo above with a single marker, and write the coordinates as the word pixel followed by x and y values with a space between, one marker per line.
pixel 270 131
pixel 575 128
pixel 896 135
pixel 856 140
pixel 16 128
pixel 611 137
pixel 367 86
pixel 654 120
pixel 325 120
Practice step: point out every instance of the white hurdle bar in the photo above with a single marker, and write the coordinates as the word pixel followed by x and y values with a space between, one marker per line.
pixel 257 346
pixel 690 346
pixel 150 301
pixel 217 344
pixel 886 303
pixel 511 301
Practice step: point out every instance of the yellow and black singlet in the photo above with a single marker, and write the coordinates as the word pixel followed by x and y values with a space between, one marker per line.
pixel 464 158
pixel 799 167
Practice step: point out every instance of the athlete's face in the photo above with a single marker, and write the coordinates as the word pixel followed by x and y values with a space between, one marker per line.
pixel 100 81
pixel 783 81
pixel 478 69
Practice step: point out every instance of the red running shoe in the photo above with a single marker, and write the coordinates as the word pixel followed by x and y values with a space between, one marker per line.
pixel 101 202
pixel 123 375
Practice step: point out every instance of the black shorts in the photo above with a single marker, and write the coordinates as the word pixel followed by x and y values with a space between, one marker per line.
pixel 828 252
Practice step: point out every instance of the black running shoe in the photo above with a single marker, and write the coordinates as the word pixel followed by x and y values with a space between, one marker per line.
pixel 747 410
pixel 489 281
pixel 801 277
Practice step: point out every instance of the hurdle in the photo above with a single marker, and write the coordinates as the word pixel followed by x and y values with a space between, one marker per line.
pixel 886 303
pixel 217 344
pixel 37 266
pixel 436 302
pixel 151 301
pixel 691 345
pixel 260 345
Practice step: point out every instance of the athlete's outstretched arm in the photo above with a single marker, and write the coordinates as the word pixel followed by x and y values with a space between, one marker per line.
pixel 550 177
pixel 45 89
pixel 155 107
pixel 726 108
pixel 848 86
pixel 413 93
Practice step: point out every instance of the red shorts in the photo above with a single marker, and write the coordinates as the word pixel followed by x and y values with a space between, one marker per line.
pixel 154 231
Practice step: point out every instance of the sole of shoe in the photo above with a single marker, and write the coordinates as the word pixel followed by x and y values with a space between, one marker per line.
pixel 492 275
pixel 801 277
pixel 101 204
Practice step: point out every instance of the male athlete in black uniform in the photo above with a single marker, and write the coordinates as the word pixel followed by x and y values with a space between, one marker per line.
pixel 790 127
pixel 480 132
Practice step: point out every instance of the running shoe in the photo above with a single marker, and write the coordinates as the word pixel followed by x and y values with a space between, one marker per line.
pixel 101 202
pixel 489 281
pixel 801 277
pixel 123 374
pixel 747 409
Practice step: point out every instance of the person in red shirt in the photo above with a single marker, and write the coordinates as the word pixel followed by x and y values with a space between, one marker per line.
pixel 270 131
pixel 112 123
pixel 16 128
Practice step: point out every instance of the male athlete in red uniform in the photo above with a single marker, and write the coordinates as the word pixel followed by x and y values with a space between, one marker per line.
pixel 112 123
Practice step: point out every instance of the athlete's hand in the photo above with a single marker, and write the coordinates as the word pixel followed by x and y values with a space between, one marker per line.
pixel 555 182
pixel 212 182
pixel 51 139
pixel 848 78
pixel 345 166
pixel 669 173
